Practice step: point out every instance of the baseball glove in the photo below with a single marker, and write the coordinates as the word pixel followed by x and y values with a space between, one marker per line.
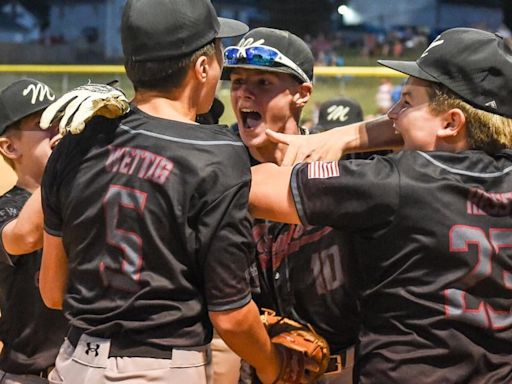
pixel 76 107
pixel 305 354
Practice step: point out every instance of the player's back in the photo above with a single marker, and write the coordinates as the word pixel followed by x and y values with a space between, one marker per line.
pixel 140 202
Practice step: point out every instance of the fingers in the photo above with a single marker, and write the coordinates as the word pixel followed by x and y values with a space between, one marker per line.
pixel 277 137
pixel 290 157
pixel 78 107
pixel 54 111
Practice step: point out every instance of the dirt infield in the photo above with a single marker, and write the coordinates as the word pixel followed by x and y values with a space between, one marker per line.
pixel 7 177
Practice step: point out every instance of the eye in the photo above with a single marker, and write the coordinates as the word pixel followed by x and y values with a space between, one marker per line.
pixel 264 82
pixel 237 81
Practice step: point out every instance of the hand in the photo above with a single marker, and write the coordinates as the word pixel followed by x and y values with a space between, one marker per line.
pixel 77 107
pixel 320 146
pixel 304 353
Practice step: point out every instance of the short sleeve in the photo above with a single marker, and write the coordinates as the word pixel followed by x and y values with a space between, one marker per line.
pixel 10 207
pixel 229 260
pixel 347 194
pixel 50 193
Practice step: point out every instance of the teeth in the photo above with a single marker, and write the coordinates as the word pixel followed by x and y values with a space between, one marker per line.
pixel 247 110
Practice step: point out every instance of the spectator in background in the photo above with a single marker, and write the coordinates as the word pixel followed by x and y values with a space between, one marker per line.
pixel 337 112
pixel 383 96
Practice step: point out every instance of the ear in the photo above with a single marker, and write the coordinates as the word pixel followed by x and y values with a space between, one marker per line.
pixel 201 69
pixel 8 148
pixel 454 124
pixel 303 94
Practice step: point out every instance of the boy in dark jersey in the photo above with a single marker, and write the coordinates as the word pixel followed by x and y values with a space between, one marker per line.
pixel 30 332
pixel 146 226
pixel 428 228
pixel 300 266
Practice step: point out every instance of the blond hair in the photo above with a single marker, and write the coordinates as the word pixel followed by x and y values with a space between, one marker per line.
pixel 486 131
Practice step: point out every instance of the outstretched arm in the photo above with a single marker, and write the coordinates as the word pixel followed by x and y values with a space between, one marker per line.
pixel 365 136
pixel 270 197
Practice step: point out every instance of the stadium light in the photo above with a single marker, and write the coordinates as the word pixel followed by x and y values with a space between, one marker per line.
pixel 350 15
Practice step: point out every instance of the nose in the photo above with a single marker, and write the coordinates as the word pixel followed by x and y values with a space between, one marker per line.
pixel 394 111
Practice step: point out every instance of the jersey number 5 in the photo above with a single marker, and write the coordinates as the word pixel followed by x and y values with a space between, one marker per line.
pixel 456 300
pixel 124 275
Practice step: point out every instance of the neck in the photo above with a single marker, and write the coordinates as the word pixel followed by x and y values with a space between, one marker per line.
pixel 271 153
pixel 28 182
pixel 173 106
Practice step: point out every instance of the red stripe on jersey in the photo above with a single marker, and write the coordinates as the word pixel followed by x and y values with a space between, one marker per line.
pixel 323 170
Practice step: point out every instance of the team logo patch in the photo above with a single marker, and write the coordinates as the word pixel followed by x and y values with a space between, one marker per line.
pixel 323 170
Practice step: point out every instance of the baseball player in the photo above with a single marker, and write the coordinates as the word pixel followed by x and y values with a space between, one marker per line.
pixel 30 332
pixel 147 236
pixel 429 227
pixel 301 273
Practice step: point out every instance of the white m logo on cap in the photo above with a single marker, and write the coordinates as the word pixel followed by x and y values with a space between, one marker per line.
pixel 435 43
pixel 39 91
pixel 337 112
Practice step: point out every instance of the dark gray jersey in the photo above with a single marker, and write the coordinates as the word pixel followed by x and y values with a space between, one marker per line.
pixel 153 215
pixel 30 332
pixel 431 234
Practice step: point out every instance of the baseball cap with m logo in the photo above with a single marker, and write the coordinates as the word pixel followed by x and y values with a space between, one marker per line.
pixel 475 64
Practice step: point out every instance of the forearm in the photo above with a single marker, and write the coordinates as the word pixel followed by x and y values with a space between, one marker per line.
pixel 53 276
pixel 270 196
pixel 25 233
pixel 244 333
pixel 369 135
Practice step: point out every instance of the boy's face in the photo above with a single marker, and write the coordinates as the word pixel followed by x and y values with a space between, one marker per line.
pixel 412 117
pixel 32 144
pixel 261 100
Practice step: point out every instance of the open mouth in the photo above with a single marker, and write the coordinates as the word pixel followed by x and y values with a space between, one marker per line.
pixel 250 118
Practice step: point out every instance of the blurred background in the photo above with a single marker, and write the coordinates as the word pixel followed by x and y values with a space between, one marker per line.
pixel 65 43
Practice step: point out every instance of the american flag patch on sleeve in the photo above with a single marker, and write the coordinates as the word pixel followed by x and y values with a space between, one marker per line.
pixel 323 170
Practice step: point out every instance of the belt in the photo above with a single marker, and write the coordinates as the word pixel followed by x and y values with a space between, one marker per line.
pixel 45 372
pixel 123 347
pixel 344 359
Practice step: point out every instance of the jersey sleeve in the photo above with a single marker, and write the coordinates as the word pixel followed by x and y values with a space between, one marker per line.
pixel 226 240
pixel 9 210
pixel 50 193
pixel 348 194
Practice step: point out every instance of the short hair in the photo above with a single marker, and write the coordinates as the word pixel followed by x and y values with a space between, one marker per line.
pixel 486 131
pixel 164 74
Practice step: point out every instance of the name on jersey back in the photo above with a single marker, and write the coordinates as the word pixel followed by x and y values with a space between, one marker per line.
pixel 139 162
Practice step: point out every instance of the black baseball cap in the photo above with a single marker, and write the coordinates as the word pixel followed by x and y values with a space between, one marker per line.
pixel 154 30
pixel 475 64
pixel 337 113
pixel 22 98
pixel 288 44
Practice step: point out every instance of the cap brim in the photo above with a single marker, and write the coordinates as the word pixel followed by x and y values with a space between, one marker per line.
pixel 410 68
pixel 226 71
pixel 231 28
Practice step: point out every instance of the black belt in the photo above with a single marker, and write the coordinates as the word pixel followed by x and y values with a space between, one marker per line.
pixel 338 362
pixel 123 347
pixel 45 372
